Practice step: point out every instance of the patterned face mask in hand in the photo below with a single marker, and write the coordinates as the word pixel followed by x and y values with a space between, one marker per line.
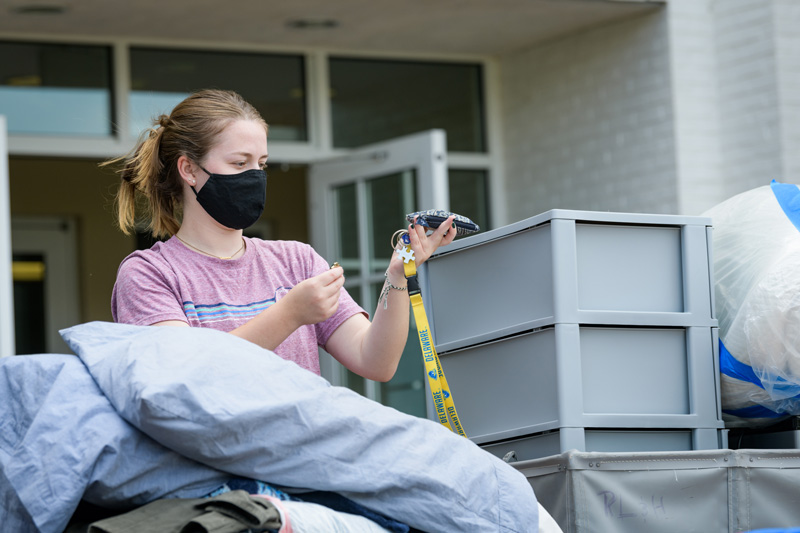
pixel 432 218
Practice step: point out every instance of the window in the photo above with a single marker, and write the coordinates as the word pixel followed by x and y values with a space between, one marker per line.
pixel 56 89
pixel 274 84
pixel 375 100
pixel 469 195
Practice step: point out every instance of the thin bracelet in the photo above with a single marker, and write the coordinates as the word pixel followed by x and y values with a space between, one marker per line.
pixel 387 285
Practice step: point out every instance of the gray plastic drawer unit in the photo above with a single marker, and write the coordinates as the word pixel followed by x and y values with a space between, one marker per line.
pixel 609 440
pixel 571 267
pixel 697 491
pixel 571 376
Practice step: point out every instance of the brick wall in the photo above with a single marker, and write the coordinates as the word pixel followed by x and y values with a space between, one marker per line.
pixel 588 122
pixel 695 98
pixel 749 107
pixel 787 22
pixel 672 112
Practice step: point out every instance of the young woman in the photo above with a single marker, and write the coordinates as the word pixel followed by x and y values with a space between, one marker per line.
pixel 202 173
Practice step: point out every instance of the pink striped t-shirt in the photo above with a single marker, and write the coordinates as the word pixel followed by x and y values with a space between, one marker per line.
pixel 172 282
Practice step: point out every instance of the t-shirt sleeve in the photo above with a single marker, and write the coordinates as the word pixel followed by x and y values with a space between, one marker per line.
pixel 143 296
pixel 347 306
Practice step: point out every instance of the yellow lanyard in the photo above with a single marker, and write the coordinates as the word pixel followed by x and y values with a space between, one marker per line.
pixel 440 391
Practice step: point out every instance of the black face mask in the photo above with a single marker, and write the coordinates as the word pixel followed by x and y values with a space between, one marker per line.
pixel 234 200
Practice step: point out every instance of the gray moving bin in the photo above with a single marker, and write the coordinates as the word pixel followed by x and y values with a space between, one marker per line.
pixel 608 440
pixel 704 491
pixel 568 375
pixel 580 330
pixel 575 267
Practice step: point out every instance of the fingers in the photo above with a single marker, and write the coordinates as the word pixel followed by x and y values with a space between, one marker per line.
pixel 317 298
pixel 331 276
pixel 445 228
pixel 338 282
pixel 326 284
pixel 331 291
pixel 448 237
pixel 416 233
pixel 424 245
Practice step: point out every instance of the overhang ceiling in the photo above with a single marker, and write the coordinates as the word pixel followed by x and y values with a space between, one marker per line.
pixel 472 27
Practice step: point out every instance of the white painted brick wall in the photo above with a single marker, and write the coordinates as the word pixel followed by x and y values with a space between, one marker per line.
pixel 672 112
pixel 787 35
pixel 749 105
pixel 698 159
pixel 588 122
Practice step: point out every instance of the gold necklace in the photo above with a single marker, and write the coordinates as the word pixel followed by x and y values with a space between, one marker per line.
pixel 212 255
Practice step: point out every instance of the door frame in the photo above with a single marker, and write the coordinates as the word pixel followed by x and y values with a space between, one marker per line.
pixel 6 283
pixel 55 238
pixel 426 152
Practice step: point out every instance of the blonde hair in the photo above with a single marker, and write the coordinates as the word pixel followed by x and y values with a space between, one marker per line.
pixel 151 169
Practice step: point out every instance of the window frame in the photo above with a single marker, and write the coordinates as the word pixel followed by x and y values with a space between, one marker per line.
pixel 406 62
pixel 114 107
pixel 318 107
pixel 202 53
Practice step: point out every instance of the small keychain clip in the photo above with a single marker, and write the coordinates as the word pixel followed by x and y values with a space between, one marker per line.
pixel 400 236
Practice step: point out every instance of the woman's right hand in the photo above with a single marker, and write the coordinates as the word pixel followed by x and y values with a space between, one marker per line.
pixel 316 299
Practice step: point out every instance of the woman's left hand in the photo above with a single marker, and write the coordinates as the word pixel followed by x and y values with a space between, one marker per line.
pixel 424 245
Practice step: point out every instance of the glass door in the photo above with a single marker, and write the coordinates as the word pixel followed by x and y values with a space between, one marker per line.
pixel 357 202
pixel 45 275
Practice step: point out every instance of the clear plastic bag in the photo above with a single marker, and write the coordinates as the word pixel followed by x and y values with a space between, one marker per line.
pixel 756 253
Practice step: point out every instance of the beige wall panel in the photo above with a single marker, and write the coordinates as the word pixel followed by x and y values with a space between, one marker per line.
pixel 76 188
